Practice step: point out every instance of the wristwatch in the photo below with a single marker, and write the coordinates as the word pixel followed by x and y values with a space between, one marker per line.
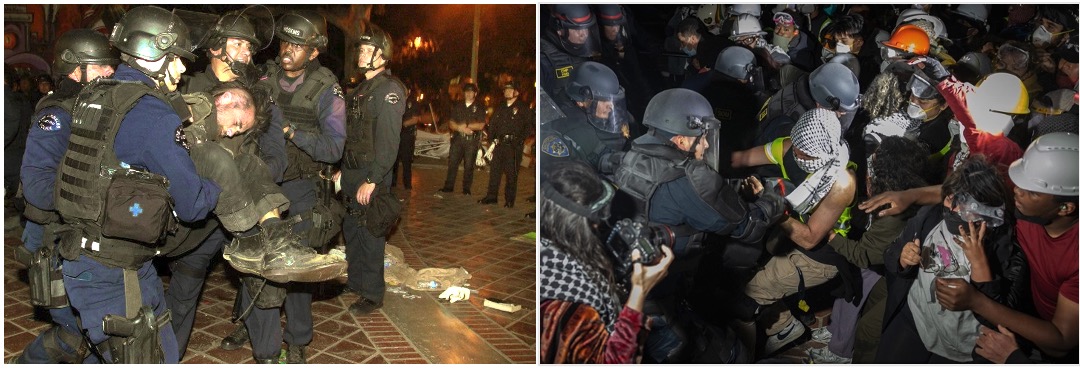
pixel 289 133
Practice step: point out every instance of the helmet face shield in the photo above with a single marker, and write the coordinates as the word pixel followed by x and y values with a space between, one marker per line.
pixel 201 25
pixel 608 113
pixel 549 111
pixel 710 133
pixel 580 41
pixel 922 88
pixel 254 24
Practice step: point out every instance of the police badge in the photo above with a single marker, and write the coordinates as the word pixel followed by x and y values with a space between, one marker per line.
pixel 554 146
pixel 338 92
pixel 49 123
pixel 392 98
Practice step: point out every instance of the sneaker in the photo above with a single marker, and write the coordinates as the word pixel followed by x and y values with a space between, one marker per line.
pixel 236 339
pixel 821 335
pixel 295 355
pixel 826 356
pixel 791 332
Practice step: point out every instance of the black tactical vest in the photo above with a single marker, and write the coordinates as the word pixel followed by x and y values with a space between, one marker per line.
pixel 300 109
pixel 360 124
pixel 644 168
pixel 83 176
pixel 561 62
pixel 67 104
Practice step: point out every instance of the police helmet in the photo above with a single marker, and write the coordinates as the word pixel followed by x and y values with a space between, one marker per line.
pixel 835 87
pixel 736 62
pixel 379 39
pixel 610 15
pixel 469 87
pixel 679 111
pixel 303 27
pixel 150 33
pixel 593 81
pixel 82 47
pixel 234 25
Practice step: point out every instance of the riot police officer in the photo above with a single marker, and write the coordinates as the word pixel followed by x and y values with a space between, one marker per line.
pixel 665 175
pixel 82 56
pixel 832 85
pixel 313 105
pixel 375 112
pixel 572 38
pixel 592 130
pixel 413 114
pixel 510 123
pixel 107 253
pixel 467 119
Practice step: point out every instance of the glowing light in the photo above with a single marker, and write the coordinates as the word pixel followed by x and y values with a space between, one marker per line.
pixel 417 42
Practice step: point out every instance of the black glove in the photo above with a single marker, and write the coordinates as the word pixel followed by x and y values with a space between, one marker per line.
pixel 931 67
pixel 772 205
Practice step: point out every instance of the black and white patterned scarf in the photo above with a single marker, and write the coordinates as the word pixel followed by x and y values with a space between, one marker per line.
pixel 563 278
pixel 817 133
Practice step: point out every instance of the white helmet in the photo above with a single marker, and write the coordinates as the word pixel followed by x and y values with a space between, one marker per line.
pixel 939 27
pixel 906 14
pixel 995 100
pixel 740 9
pixel 746 25
pixel 1049 165
pixel 707 13
pixel 978 12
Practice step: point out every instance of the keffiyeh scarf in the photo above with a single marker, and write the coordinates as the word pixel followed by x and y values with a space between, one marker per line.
pixel 563 278
pixel 817 134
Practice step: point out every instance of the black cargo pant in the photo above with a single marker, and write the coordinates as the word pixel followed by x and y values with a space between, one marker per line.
pixel 462 147
pixel 505 160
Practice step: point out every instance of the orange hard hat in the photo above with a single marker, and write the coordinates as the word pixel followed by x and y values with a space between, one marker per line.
pixel 910 39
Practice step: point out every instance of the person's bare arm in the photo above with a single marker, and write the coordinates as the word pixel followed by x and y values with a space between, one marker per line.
pixel 823 219
pixel 754 156
pixel 899 201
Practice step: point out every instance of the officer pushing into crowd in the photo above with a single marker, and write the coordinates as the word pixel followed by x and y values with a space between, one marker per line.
pixel 108 248
pixel 374 121
pixel 82 56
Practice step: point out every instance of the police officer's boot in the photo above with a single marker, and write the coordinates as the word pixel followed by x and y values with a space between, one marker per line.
pixel 295 355
pixel 236 339
pixel 275 253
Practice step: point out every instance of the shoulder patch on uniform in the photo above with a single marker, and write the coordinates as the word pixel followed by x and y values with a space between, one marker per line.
pixel 393 98
pixel 49 123
pixel 554 146
pixel 564 72
pixel 181 138
pixel 338 92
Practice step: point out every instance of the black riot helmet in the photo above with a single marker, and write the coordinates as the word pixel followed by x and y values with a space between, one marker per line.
pixel 595 84
pixel 680 111
pixel 302 27
pixel 81 47
pixel 571 21
pixel 379 39
pixel 254 24
pixel 150 33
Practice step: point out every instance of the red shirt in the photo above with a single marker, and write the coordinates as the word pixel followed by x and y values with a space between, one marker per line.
pixel 998 149
pixel 1053 263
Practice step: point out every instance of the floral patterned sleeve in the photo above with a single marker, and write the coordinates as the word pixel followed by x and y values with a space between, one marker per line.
pixel 623 344
pixel 573 333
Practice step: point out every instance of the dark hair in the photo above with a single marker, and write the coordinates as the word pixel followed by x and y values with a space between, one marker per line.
pixel 979 179
pixel 573 233
pixel 848 24
pixel 899 164
pixel 691 25
pixel 260 98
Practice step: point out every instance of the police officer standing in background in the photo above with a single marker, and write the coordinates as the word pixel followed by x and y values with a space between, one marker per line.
pixel 375 111
pixel 573 38
pixel 314 108
pixel 82 55
pixel 407 146
pixel 467 120
pixel 510 123
pixel 108 275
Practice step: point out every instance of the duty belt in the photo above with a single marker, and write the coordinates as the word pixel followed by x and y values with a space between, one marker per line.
pixel 507 137
pixel 467 137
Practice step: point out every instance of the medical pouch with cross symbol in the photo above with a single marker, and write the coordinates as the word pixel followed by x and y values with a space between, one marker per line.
pixel 137 206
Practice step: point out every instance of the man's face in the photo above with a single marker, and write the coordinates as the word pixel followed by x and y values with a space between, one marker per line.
pixel 748 41
pixel 367 52
pixel 510 93
pixel 688 41
pixel 1056 29
pixel 176 68
pixel 786 30
pixel 611 32
pixel 931 106
pixel 294 57
pixel 577 35
pixel 603 109
pixel 238 50
pixel 1035 204
pixel 235 113
pixel 96 71
pixel 470 95
pixel 684 143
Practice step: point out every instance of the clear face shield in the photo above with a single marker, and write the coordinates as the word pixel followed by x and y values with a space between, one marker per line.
pixel 262 20
pixel 580 41
pixel 549 111
pixel 200 25
pixel 710 133
pixel 608 113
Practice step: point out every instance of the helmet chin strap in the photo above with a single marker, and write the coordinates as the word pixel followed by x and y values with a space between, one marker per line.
pixel 371 63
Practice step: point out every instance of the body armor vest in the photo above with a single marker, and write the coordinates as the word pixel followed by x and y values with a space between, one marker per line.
pixel 644 168
pixel 561 62
pixel 788 101
pixel 300 109
pixel 360 122
pixel 67 104
pixel 85 171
